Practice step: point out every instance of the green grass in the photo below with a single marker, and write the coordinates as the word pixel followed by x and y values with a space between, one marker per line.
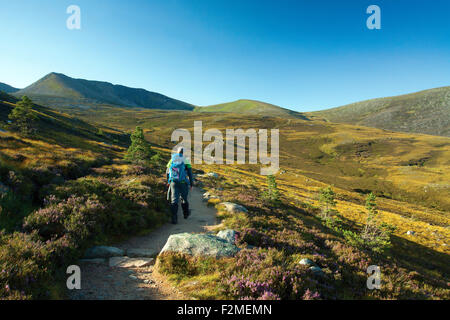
pixel 251 107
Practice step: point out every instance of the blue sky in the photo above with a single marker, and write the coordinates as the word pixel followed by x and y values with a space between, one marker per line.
pixel 304 55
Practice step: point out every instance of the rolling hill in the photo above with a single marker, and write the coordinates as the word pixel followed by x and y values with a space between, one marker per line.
pixel 426 112
pixel 7 88
pixel 57 89
pixel 252 107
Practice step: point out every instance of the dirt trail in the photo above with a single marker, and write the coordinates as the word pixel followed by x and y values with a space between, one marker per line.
pixel 99 281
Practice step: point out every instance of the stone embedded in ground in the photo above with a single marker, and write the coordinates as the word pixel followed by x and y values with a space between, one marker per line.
pixel 212 174
pixel 199 245
pixel 94 261
pixel 307 262
pixel 208 195
pixel 103 252
pixel 126 262
pixel 139 253
pixel 317 270
pixel 233 207
pixel 229 235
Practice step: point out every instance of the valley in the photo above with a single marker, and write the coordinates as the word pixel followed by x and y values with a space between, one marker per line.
pixel 75 159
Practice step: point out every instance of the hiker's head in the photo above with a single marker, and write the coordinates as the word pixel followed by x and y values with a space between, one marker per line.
pixel 180 150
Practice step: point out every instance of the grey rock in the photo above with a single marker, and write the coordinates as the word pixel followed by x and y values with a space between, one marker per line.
pixel 138 253
pixel 212 174
pixel 316 270
pixel 208 195
pixel 233 207
pixel 229 235
pixel 103 252
pixel 126 262
pixel 199 245
pixel 307 262
pixel 132 277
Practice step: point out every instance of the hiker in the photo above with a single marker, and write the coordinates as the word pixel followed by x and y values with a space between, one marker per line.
pixel 179 178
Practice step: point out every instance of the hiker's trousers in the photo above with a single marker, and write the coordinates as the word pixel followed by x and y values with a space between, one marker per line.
pixel 177 190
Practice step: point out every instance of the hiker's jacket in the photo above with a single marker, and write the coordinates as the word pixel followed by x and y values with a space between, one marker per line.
pixel 188 171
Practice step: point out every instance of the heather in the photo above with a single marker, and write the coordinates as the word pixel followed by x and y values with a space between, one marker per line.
pixel 105 206
pixel 274 236
pixel 63 192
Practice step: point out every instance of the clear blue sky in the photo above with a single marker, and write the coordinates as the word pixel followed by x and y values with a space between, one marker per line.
pixel 304 55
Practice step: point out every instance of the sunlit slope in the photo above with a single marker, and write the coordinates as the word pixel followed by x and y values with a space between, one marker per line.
pixel 58 137
pixel 426 112
pixel 251 107
pixel 409 167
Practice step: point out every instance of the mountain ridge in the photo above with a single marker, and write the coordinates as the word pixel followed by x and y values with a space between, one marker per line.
pixel 426 112
pixel 7 88
pixel 59 89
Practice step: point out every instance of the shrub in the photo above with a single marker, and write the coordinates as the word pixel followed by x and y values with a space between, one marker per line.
pixel 375 236
pixel 182 265
pixel 23 116
pixel 12 211
pixel 266 274
pixel 24 264
pixel 327 201
pixel 139 150
pixel 272 194
pixel 77 218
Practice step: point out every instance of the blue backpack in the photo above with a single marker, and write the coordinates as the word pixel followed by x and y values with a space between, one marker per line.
pixel 177 169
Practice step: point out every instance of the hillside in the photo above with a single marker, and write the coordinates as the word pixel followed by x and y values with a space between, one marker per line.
pixel 7 88
pixel 63 188
pixel 426 112
pixel 408 173
pixel 252 107
pixel 394 165
pixel 56 89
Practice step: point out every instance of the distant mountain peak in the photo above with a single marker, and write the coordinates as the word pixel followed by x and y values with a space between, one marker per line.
pixel 60 89
pixel 253 107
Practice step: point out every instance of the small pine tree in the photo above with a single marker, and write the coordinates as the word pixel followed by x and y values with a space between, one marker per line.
pixel 326 199
pixel 23 116
pixel 376 235
pixel 272 193
pixel 140 149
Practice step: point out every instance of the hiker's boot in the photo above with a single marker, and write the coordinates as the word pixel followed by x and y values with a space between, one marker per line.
pixel 174 211
pixel 186 210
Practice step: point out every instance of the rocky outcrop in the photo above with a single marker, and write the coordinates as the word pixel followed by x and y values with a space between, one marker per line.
pixel 231 207
pixel 200 245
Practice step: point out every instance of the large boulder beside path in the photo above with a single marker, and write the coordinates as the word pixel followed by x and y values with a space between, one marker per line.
pixel 231 207
pixel 228 235
pixel 199 245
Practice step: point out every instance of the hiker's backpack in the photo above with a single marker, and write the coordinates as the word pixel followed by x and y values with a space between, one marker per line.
pixel 177 169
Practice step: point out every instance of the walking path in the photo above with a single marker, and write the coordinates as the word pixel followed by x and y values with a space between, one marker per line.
pixel 99 281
